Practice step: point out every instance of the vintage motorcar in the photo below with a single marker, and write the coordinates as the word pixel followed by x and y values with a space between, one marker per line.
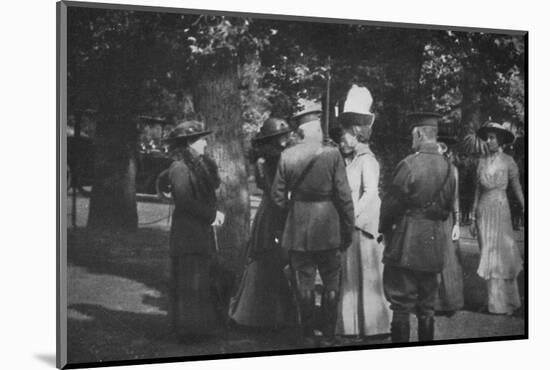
pixel 80 166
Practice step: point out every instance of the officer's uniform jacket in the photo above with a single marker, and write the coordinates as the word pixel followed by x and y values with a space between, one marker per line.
pixel 320 210
pixel 413 240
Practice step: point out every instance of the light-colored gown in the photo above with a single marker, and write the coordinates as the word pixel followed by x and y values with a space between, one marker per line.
pixel 500 261
pixel 363 310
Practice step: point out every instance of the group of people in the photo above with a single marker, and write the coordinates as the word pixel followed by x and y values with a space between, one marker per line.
pixel 321 218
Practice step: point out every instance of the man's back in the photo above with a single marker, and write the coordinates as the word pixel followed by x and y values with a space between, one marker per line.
pixel 320 204
pixel 414 236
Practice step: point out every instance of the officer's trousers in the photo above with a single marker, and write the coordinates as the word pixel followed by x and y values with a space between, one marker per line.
pixel 304 266
pixel 410 291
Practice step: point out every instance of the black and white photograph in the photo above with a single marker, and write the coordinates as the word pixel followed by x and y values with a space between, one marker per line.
pixel 243 184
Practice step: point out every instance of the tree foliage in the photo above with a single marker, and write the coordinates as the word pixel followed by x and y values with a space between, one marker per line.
pixel 128 63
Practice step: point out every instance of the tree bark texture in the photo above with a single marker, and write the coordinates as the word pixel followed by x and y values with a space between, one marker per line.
pixel 471 100
pixel 113 200
pixel 218 100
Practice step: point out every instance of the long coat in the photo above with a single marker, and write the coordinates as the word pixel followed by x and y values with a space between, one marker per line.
pixel 363 173
pixel 314 225
pixel 195 210
pixel 413 240
pixel 269 220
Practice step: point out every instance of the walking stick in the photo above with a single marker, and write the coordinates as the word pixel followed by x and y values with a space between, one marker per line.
pixel 215 234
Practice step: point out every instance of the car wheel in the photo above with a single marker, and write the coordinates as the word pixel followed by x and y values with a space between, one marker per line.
pixel 162 186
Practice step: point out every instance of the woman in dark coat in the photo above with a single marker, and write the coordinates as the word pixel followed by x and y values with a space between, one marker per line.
pixel 193 179
pixel 263 298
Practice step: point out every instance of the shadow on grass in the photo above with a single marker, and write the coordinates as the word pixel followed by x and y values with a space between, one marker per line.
pixel 140 256
pixel 110 335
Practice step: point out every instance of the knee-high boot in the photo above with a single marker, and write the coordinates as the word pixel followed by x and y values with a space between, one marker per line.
pixel 307 307
pixel 425 328
pixel 400 328
pixel 330 312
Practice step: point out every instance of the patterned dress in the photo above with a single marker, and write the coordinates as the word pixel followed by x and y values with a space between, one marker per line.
pixel 501 261
pixel 363 310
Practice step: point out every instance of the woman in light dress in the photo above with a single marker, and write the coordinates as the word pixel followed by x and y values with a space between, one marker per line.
pixel 501 260
pixel 363 310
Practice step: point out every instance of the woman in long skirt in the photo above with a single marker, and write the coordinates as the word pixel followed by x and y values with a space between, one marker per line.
pixel 263 299
pixel 501 260
pixel 193 179
pixel 363 310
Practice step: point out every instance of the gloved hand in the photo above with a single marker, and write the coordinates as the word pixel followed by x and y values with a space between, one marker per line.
pixel 219 220
pixel 455 234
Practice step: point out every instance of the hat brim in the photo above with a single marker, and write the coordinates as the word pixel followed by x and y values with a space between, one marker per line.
pixel 306 116
pixel 274 134
pixel 349 119
pixel 305 112
pixel 195 135
pixel 507 136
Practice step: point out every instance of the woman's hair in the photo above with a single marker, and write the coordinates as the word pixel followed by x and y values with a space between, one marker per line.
pixel 183 143
pixel 362 133
pixel 498 135
pixel 268 148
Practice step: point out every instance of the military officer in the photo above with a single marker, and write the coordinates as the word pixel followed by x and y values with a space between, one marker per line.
pixel 412 217
pixel 311 184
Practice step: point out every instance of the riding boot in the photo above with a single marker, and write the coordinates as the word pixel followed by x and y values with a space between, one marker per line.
pixel 307 309
pixel 330 311
pixel 425 328
pixel 400 328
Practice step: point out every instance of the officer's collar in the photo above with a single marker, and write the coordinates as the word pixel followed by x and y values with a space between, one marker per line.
pixel 431 148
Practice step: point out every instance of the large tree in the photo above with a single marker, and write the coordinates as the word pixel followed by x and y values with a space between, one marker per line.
pixel 124 64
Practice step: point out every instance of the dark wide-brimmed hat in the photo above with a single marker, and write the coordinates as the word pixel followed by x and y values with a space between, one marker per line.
pixel 421 119
pixel 357 108
pixel 187 130
pixel 272 127
pixel 506 135
pixel 311 111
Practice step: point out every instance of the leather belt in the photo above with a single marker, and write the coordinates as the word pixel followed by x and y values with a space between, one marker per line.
pixel 304 196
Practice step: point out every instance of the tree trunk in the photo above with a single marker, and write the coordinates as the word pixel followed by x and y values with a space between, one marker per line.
pixel 113 201
pixel 218 100
pixel 471 100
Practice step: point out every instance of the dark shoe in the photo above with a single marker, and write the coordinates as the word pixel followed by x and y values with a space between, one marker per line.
pixel 400 331
pixel 329 341
pixel 311 341
pixel 425 328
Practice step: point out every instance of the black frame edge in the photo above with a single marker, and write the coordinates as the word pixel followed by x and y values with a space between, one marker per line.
pixel 289 17
pixel 61 188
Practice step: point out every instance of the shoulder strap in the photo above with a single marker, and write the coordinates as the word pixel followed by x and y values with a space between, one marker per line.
pixel 436 194
pixel 302 176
